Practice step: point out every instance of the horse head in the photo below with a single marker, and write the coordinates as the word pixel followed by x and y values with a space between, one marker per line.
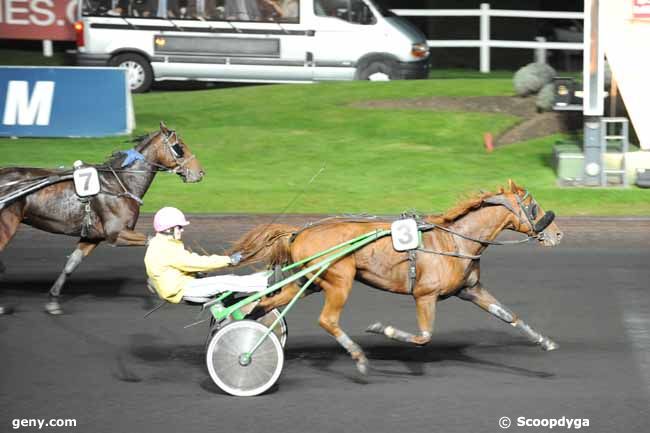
pixel 527 216
pixel 171 152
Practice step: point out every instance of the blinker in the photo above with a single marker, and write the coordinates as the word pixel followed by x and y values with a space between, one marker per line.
pixel 177 150
pixel 546 221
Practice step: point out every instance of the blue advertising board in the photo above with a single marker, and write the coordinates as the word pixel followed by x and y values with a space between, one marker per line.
pixel 64 102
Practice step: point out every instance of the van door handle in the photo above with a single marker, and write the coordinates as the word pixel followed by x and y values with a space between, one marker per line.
pixel 309 59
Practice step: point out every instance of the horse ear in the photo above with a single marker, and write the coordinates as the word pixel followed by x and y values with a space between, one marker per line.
pixel 512 185
pixel 163 128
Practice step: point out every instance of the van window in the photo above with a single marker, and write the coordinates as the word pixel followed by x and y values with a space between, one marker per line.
pixel 353 11
pixel 194 9
pixel 216 10
pixel 262 10
pixel 124 8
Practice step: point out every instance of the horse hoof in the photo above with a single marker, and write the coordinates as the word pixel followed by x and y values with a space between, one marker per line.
pixel 53 308
pixel 547 344
pixel 375 328
pixel 5 311
pixel 362 366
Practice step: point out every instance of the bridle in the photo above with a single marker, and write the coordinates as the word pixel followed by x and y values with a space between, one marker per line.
pixel 177 153
pixel 529 210
pixel 175 150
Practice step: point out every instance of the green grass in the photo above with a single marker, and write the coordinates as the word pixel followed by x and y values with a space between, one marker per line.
pixel 11 57
pixel 260 145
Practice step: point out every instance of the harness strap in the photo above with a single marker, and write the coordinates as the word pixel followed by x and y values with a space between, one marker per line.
pixel 450 254
pixel 412 273
pixel 126 193
pixel 32 185
pixel 87 222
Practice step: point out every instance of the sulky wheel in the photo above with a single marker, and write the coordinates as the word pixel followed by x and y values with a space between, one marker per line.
pixel 281 331
pixel 229 367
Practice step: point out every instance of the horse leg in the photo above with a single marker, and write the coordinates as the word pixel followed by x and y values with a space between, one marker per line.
pixel 482 298
pixel 84 248
pixel 130 238
pixel 335 297
pixel 426 314
pixel 10 218
pixel 287 293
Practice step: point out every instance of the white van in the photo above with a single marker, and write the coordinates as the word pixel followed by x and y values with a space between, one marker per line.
pixel 249 40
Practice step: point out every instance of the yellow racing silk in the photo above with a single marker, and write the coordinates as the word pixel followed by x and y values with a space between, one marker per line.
pixel 169 266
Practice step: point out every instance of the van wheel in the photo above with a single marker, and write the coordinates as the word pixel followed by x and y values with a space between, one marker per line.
pixel 138 71
pixel 378 71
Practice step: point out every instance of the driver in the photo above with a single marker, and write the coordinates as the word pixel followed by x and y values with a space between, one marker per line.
pixel 171 268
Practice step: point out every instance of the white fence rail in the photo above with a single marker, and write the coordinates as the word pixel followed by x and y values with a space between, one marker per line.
pixel 485 43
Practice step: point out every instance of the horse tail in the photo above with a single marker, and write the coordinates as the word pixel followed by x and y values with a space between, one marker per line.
pixel 270 244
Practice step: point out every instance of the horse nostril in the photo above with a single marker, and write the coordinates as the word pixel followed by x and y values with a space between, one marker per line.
pixel 559 235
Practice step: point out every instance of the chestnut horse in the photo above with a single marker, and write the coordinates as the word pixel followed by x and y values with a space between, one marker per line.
pixel 447 263
pixel 108 216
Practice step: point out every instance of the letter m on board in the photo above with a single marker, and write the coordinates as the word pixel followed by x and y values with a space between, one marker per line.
pixel 21 109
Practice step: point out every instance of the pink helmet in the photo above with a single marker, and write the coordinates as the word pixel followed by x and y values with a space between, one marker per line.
pixel 167 218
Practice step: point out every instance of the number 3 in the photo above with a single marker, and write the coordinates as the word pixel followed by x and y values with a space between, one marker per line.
pixel 405 235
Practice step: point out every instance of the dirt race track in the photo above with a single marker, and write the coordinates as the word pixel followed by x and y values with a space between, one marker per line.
pixel 112 370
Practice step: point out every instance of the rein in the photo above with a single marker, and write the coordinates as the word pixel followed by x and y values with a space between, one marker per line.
pixel 180 161
pixel 126 192
pixel 483 241
pixel 422 227
pixel 469 238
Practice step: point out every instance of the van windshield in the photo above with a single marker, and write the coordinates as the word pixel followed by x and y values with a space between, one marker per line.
pixel 380 5
pixel 353 11
pixel 211 10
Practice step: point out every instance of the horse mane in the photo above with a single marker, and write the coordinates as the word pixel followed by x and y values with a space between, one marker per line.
pixel 459 210
pixel 141 142
pixel 462 208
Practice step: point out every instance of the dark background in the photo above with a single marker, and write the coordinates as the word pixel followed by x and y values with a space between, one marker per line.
pixel 519 29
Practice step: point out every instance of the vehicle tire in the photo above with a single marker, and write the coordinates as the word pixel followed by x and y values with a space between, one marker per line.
pixel 139 72
pixel 379 71
pixel 230 372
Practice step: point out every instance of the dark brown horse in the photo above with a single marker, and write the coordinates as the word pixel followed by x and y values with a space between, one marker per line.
pixel 461 235
pixel 108 216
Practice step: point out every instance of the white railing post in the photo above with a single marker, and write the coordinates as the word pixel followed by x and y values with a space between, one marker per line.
pixel 540 51
pixel 485 43
pixel 47 48
pixel 485 38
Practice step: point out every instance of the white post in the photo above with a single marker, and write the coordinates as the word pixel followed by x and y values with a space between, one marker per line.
pixel 540 52
pixel 47 48
pixel 485 38
pixel 162 9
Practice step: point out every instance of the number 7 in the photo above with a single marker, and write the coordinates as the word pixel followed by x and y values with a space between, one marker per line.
pixel 87 183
